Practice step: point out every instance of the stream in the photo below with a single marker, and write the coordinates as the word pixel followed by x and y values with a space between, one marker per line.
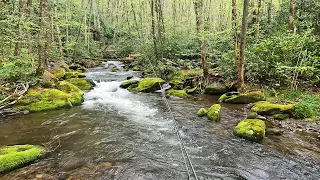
pixel 117 134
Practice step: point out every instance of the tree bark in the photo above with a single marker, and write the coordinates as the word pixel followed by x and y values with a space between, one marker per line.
pixel 57 28
pixel 257 20
pixel 292 25
pixel 270 11
pixel 235 30
pixel 28 33
pixel 153 29
pixel 44 37
pixel 18 45
pixel 198 4
pixel 243 44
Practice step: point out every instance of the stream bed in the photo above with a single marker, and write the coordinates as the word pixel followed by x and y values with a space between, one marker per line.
pixel 117 134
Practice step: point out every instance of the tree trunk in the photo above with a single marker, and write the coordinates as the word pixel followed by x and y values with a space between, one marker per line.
pixel 235 30
pixel 18 46
pixel 153 29
pixel 257 20
pixel 198 4
pixel 292 25
pixel 44 37
pixel 57 28
pixel 243 44
pixel 28 33
pixel 270 11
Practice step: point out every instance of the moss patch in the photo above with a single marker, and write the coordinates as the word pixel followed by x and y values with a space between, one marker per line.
pixel 58 72
pixel 16 156
pixel 194 90
pixel 215 90
pixel 48 80
pixel 115 69
pixel 177 93
pixel 128 83
pixel 187 74
pixel 246 98
pixel 81 83
pixel 267 108
pixel 202 112
pixel 252 115
pixel 74 74
pixel 38 99
pixel 251 129
pixel 281 116
pixel 176 84
pixel 213 113
pixel 75 94
pixel 149 85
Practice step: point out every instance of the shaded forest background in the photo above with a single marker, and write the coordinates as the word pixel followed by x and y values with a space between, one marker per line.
pixel 282 37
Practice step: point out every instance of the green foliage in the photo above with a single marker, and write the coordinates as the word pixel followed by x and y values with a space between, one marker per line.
pixel 307 106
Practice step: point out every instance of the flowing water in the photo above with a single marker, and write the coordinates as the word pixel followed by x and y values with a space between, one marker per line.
pixel 117 134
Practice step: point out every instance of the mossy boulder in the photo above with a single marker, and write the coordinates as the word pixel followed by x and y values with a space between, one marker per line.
pixel 82 69
pixel 115 69
pixel 267 108
pixel 213 113
pixel 39 99
pixel 215 90
pixel 81 83
pixel 74 74
pixel 149 85
pixel 252 115
pixel 202 112
pixel 176 84
pixel 48 80
pixel 281 116
pixel 245 98
pixel 128 83
pixel 132 87
pixel 12 157
pixel 194 90
pixel 177 93
pixel 75 66
pixel 75 94
pixel 58 72
pixel 136 68
pixel 251 129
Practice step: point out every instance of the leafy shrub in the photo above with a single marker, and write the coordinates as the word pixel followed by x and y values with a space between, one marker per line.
pixel 307 106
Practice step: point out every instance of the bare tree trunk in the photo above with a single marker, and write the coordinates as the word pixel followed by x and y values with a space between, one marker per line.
pixel 44 37
pixel 235 30
pixel 243 44
pixel 18 46
pixel 28 33
pixel 257 20
pixel 153 29
pixel 135 18
pixel 198 4
pixel 57 28
pixel 292 25
pixel 160 26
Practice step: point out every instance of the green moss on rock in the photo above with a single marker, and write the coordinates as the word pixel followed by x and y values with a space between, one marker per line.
pixel 132 87
pixel 136 68
pixel 38 99
pixel 281 116
pixel 48 80
pixel 194 90
pixel 177 93
pixel 267 108
pixel 75 94
pixel 176 84
pixel 251 129
pixel 252 115
pixel 215 90
pixel 246 98
pixel 213 113
pixel 202 112
pixel 74 74
pixel 12 157
pixel 149 85
pixel 128 83
pixel 115 69
pixel 81 83
pixel 58 72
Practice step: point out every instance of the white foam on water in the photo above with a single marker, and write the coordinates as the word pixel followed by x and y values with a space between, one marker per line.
pixel 110 95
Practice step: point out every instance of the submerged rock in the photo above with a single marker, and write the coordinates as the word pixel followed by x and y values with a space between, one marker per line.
pixel 202 112
pixel 281 116
pixel 245 98
pixel 215 90
pixel 274 131
pixel 81 83
pixel 128 83
pixel 177 93
pixel 115 69
pixel 251 129
pixel 176 84
pixel 12 157
pixel 213 113
pixel 149 85
pixel 267 108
